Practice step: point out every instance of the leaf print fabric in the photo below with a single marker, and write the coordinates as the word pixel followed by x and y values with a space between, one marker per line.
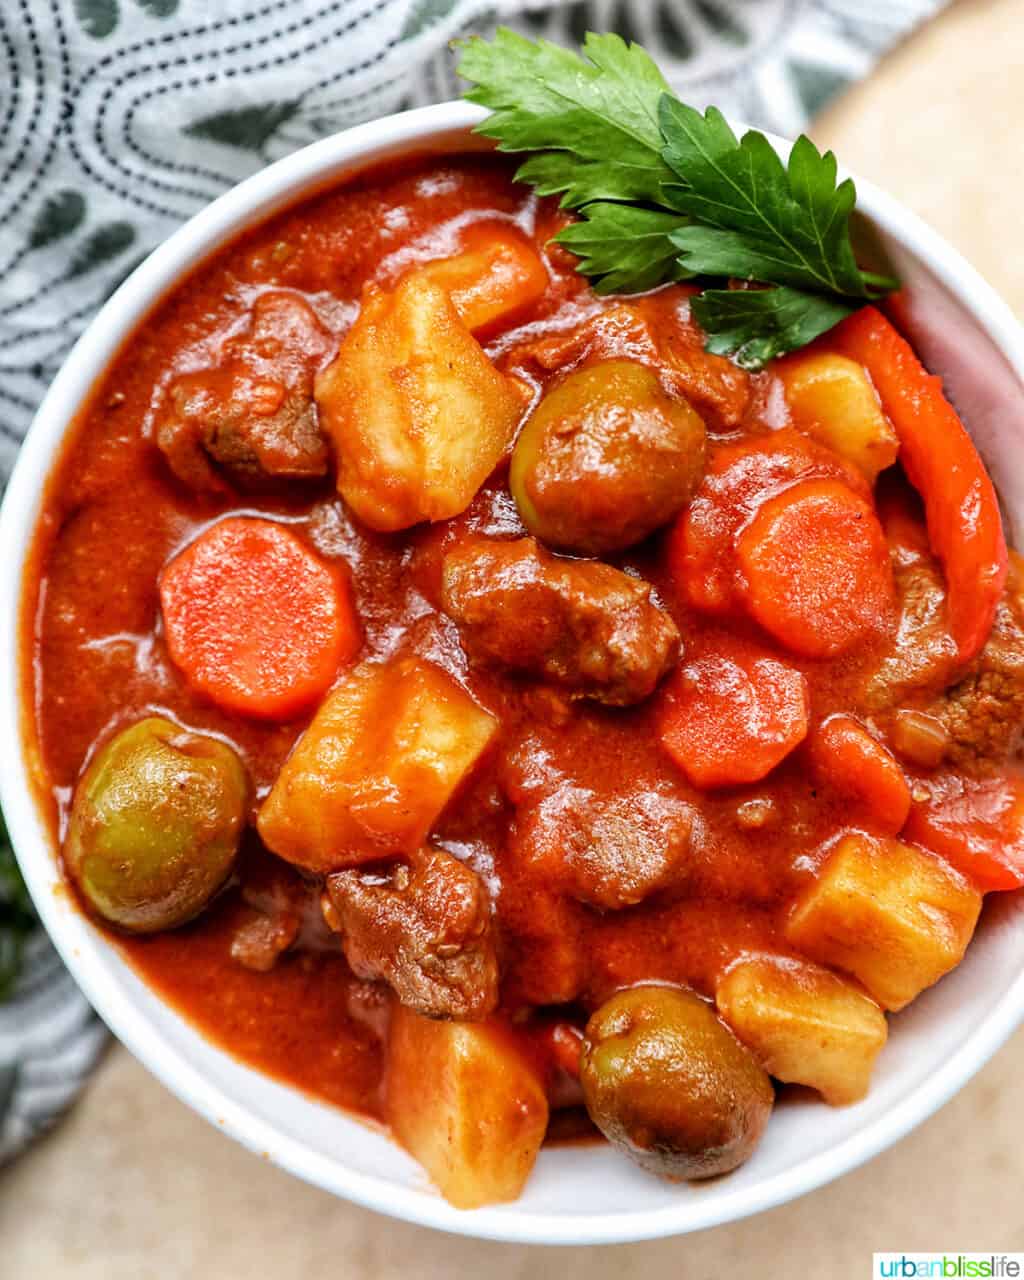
pixel 250 128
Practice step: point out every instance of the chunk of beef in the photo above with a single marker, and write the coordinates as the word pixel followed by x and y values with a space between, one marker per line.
pixel 425 928
pixel 984 711
pixel 278 908
pixel 251 414
pixel 578 623
pixel 923 653
pixel 609 851
pixel 657 331
pixel 261 939
pixel 543 938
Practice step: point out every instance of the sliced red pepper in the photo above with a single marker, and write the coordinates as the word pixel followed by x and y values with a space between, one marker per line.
pixel 977 824
pixel 941 462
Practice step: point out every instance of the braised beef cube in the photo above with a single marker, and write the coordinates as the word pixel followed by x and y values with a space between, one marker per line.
pixel 543 937
pixel 581 624
pixel 609 851
pixel 923 653
pixel 984 712
pixel 261 939
pixel 425 928
pixel 279 904
pixel 252 414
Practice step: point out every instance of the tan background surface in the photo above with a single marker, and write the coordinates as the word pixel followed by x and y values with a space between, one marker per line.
pixel 134 1186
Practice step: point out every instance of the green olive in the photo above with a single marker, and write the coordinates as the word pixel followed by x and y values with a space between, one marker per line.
pixel 670 1084
pixel 606 458
pixel 155 825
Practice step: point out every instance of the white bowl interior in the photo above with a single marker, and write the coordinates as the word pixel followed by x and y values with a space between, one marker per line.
pixel 578 1194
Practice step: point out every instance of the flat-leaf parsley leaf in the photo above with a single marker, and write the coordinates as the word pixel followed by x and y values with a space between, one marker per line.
pixel 666 193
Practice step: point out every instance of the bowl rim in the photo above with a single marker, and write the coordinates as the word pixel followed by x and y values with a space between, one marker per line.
pixel 283 183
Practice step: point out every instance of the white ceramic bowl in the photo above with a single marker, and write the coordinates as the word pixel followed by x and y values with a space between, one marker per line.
pixel 576 1195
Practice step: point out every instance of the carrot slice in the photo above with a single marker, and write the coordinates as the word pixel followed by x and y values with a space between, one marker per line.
pixel 817 570
pixel 701 547
pixel 941 462
pixel 730 718
pixel 846 758
pixel 977 824
pixel 255 620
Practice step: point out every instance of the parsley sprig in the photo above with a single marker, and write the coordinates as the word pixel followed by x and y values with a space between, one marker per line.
pixel 666 193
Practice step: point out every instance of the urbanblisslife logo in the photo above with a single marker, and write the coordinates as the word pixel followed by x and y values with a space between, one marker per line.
pixel 948 1266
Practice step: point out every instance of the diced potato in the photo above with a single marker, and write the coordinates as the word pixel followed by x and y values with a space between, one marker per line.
pixel 418 415
pixel 894 916
pixel 371 774
pixel 466 1104
pixel 831 399
pixel 497 273
pixel 805 1025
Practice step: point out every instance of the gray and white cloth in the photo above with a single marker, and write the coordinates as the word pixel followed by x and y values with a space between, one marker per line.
pixel 119 119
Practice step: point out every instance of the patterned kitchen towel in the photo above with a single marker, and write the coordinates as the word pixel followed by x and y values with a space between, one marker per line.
pixel 120 118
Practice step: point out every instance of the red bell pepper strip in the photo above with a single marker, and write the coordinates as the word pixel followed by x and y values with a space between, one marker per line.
pixel 964 525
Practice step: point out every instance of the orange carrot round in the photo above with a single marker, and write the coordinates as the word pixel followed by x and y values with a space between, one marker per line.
pixel 730 718
pixel 702 545
pixel 256 620
pixel 845 757
pixel 816 568
pixel 977 824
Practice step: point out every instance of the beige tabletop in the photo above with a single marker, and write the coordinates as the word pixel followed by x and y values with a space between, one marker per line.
pixel 133 1185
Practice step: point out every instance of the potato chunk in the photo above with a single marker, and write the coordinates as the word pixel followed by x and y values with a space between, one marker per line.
pixel 496 275
pixel 418 415
pixel 831 399
pixel 466 1104
pixel 371 774
pixel 805 1025
pixel 894 916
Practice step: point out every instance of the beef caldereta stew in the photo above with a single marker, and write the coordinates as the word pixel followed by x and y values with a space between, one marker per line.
pixel 468 699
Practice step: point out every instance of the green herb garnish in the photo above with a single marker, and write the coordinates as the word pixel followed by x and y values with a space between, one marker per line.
pixel 665 193
pixel 17 919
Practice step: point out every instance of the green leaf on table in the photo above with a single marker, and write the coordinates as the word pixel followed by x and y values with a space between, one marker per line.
pixel 98 17
pixel 58 216
pixel 247 128
pixel 755 325
pixel 597 114
pixel 624 248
